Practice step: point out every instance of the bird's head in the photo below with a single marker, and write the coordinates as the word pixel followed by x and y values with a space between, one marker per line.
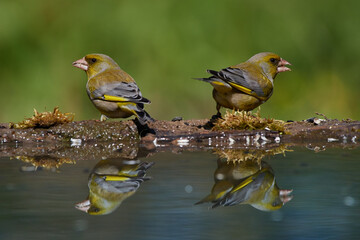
pixel 271 63
pixel 94 208
pixel 95 63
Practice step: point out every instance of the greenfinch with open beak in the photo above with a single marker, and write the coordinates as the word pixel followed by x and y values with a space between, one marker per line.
pixel 113 92
pixel 247 85
pixel 246 183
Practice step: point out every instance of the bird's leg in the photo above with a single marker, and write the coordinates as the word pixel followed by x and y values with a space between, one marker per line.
pixel 103 118
pixel 218 114
pixel 213 118
pixel 143 129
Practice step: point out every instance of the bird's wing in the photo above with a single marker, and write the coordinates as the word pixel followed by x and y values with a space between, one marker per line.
pixel 240 79
pixel 243 191
pixel 125 186
pixel 120 92
pixel 119 184
pixel 215 81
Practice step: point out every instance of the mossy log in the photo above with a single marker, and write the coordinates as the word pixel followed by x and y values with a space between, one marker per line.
pixel 183 133
pixel 86 140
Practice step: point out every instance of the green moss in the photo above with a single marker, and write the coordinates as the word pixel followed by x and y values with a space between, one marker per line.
pixel 46 161
pixel 44 119
pixel 254 155
pixel 242 120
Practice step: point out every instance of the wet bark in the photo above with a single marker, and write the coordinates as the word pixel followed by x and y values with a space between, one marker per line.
pixel 180 132
pixel 93 139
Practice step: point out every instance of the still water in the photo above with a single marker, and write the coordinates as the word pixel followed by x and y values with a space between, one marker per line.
pixel 154 197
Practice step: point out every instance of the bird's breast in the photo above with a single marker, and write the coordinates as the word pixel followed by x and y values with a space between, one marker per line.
pixel 236 100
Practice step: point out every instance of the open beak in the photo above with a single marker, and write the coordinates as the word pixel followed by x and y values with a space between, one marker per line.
pixel 281 66
pixel 285 195
pixel 81 63
pixel 83 206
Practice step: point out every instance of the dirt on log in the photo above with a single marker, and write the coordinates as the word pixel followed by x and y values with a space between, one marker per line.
pixel 183 132
pixel 85 140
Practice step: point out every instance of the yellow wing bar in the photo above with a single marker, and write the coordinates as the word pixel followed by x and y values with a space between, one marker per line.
pixel 115 178
pixel 243 184
pixel 221 194
pixel 218 83
pixel 115 99
pixel 241 88
pixel 248 180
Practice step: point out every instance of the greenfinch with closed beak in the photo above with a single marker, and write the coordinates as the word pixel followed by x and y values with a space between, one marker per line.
pixel 111 182
pixel 113 92
pixel 246 85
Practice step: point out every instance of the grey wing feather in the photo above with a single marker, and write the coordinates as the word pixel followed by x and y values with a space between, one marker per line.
pixel 121 89
pixel 141 114
pixel 120 186
pixel 214 79
pixel 240 77
pixel 243 194
pixel 127 186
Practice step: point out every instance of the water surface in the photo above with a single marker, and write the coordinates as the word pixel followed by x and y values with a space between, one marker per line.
pixel 41 204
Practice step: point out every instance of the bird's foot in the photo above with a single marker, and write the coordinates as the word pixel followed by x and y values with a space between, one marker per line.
pixel 103 118
pixel 213 119
pixel 216 116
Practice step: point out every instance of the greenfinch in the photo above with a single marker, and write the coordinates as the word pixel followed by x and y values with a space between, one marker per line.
pixel 246 85
pixel 113 92
pixel 111 182
pixel 246 182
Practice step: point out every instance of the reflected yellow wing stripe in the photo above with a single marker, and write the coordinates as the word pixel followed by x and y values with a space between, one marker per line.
pixel 115 178
pixel 220 194
pixel 249 180
pixel 243 184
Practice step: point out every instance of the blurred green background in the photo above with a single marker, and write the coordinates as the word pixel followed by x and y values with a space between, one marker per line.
pixel 163 44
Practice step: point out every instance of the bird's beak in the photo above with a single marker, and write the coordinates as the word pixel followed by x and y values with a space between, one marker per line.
pixel 83 206
pixel 81 63
pixel 281 66
pixel 285 195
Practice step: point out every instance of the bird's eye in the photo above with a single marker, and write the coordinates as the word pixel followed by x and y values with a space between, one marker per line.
pixel 93 60
pixel 272 60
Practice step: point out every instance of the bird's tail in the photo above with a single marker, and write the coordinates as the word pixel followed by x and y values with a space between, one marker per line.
pixel 138 110
pixel 208 198
pixel 214 80
pixel 143 116
pixel 143 167
pixel 209 80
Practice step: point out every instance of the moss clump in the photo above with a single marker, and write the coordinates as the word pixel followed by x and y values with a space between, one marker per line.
pixel 243 155
pixel 242 120
pixel 44 119
pixel 47 162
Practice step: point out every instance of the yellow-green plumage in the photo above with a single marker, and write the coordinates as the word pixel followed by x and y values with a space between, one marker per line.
pixel 113 92
pixel 246 182
pixel 246 85
pixel 111 182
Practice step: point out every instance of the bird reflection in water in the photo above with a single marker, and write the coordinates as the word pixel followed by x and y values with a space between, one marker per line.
pixel 111 182
pixel 243 178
